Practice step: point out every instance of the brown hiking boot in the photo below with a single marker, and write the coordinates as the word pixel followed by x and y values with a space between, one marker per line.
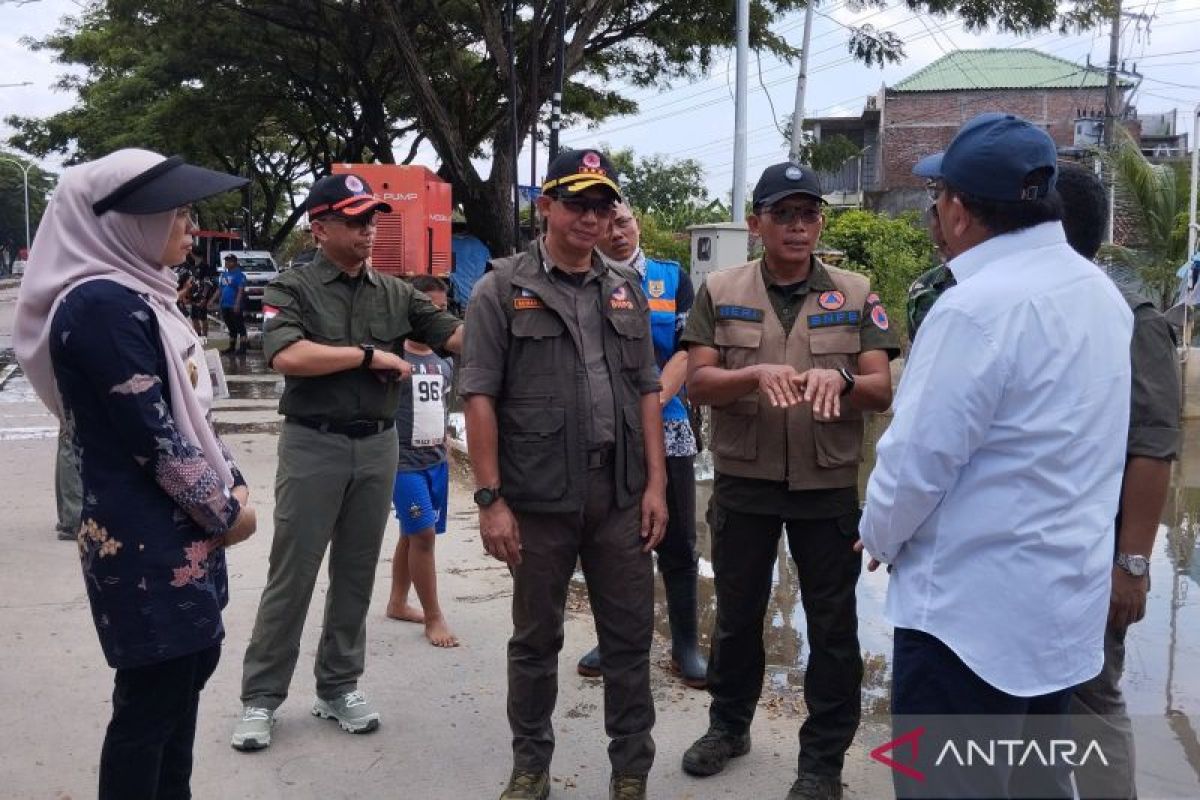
pixel 627 787
pixel 525 785
pixel 712 751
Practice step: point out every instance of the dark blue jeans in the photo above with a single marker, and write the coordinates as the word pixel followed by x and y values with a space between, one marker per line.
pixel 931 686
pixel 147 751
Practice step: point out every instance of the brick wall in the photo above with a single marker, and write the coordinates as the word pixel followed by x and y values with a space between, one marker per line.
pixel 916 124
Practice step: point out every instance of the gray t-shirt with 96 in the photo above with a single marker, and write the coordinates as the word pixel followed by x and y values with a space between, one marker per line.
pixel 423 413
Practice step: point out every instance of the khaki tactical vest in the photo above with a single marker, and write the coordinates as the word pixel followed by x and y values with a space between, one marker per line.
pixel 752 438
pixel 541 410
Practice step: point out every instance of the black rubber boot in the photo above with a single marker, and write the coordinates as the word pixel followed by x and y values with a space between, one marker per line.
pixel 681 610
pixel 589 665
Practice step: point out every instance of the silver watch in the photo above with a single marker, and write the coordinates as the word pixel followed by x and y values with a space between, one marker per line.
pixel 1137 566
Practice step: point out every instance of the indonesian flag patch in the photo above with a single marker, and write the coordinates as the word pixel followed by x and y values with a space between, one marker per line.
pixel 269 312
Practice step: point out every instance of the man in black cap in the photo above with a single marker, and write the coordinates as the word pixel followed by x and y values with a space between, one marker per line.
pixel 789 353
pixel 334 330
pixel 566 442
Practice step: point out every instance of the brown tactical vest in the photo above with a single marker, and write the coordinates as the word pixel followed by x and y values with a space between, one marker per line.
pixel 752 438
pixel 541 411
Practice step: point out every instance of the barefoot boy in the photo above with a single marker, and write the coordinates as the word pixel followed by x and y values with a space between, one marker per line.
pixel 422 480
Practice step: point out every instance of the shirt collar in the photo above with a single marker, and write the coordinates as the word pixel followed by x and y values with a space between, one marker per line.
pixel 818 279
pixel 548 265
pixel 974 260
pixel 328 272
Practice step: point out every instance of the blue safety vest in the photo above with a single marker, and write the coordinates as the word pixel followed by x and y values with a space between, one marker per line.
pixel 661 283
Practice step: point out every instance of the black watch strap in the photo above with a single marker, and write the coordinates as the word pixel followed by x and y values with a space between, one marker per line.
pixel 849 379
pixel 368 355
pixel 486 496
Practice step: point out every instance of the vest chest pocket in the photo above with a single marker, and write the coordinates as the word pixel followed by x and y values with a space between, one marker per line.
pixel 631 329
pixel 835 348
pixel 536 334
pixel 738 342
pixel 533 452
pixel 735 429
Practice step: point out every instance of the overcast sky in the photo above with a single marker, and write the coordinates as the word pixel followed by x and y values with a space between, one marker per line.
pixel 696 120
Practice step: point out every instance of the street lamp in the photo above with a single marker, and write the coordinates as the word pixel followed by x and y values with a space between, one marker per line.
pixel 25 174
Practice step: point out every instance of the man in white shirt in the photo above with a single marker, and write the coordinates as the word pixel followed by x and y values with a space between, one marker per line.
pixel 996 485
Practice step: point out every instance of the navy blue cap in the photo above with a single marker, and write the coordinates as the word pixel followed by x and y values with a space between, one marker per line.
pixel 784 180
pixel 992 156
pixel 169 184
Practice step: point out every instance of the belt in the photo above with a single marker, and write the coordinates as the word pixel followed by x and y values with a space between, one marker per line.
pixel 600 457
pixel 355 428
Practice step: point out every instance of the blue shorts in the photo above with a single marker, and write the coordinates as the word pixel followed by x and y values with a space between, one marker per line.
pixel 420 498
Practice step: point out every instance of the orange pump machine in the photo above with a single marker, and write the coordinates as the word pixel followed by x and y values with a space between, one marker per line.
pixel 414 239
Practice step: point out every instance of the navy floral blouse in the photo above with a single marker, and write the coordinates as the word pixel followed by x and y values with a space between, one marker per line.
pixel 152 504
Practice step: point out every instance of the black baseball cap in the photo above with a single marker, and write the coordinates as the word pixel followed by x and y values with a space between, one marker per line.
pixel 574 171
pixel 992 156
pixel 230 257
pixel 343 196
pixel 784 180
pixel 169 184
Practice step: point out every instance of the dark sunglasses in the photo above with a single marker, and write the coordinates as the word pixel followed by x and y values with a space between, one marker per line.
pixel 354 223
pixel 601 207
pixel 786 215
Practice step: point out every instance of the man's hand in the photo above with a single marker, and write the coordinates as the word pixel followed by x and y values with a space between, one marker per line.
pixel 1128 602
pixel 654 516
pixel 498 528
pixel 776 381
pixel 822 388
pixel 872 565
pixel 390 367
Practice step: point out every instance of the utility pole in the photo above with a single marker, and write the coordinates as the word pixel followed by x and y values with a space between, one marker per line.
pixel 801 86
pixel 535 73
pixel 739 112
pixel 560 25
pixel 1111 102
pixel 510 21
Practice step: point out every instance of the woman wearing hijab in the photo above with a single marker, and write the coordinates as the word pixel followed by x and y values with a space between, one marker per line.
pixel 101 339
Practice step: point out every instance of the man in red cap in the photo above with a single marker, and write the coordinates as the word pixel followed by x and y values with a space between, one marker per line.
pixel 335 331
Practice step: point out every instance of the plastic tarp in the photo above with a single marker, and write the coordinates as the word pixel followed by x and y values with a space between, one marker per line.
pixel 470 260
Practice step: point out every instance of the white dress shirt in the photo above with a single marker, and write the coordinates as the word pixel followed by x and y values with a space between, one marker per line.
pixel 995 488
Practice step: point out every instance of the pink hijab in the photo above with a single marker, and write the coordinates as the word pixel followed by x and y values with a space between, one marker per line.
pixel 73 246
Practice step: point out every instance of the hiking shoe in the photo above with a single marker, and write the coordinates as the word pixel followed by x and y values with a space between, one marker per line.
pixel 525 785
pixel 816 787
pixel 589 665
pixel 627 787
pixel 712 751
pixel 253 731
pixel 352 712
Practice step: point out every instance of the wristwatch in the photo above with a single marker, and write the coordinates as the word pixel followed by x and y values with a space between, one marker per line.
pixel 486 496
pixel 848 378
pixel 1137 566
pixel 368 355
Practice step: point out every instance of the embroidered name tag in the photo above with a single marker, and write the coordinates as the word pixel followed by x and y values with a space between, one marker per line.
pixel 521 303
pixel 740 312
pixel 831 318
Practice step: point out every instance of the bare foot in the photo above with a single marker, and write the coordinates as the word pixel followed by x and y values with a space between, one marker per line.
pixel 438 634
pixel 405 613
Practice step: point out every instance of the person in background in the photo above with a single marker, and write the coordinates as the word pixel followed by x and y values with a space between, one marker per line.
pixel 233 295
pixel 422 479
pixel 163 494
pixel 1000 468
pixel 669 293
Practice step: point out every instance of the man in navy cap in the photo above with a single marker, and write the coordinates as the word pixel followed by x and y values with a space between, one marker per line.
pixel 566 442
pixel 335 330
pixel 789 352
pixel 996 484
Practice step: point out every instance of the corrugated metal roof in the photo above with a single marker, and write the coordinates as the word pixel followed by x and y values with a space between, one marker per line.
pixel 964 70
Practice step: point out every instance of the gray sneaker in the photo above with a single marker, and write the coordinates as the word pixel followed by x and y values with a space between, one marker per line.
pixel 351 710
pixel 253 731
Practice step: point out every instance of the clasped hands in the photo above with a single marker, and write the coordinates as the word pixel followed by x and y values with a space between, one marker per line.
pixel 783 387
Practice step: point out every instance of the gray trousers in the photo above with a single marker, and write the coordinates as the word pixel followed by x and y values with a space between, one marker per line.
pixel 620 582
pixel 331 492
pixel 1098 712
pixel 68 485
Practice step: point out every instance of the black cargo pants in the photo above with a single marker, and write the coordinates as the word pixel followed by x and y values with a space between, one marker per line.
pixel 744 548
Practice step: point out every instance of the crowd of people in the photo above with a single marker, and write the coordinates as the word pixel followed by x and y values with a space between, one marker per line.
pixel 1014 499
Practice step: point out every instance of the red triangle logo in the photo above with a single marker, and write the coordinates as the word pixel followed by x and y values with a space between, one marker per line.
pixel 912 738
